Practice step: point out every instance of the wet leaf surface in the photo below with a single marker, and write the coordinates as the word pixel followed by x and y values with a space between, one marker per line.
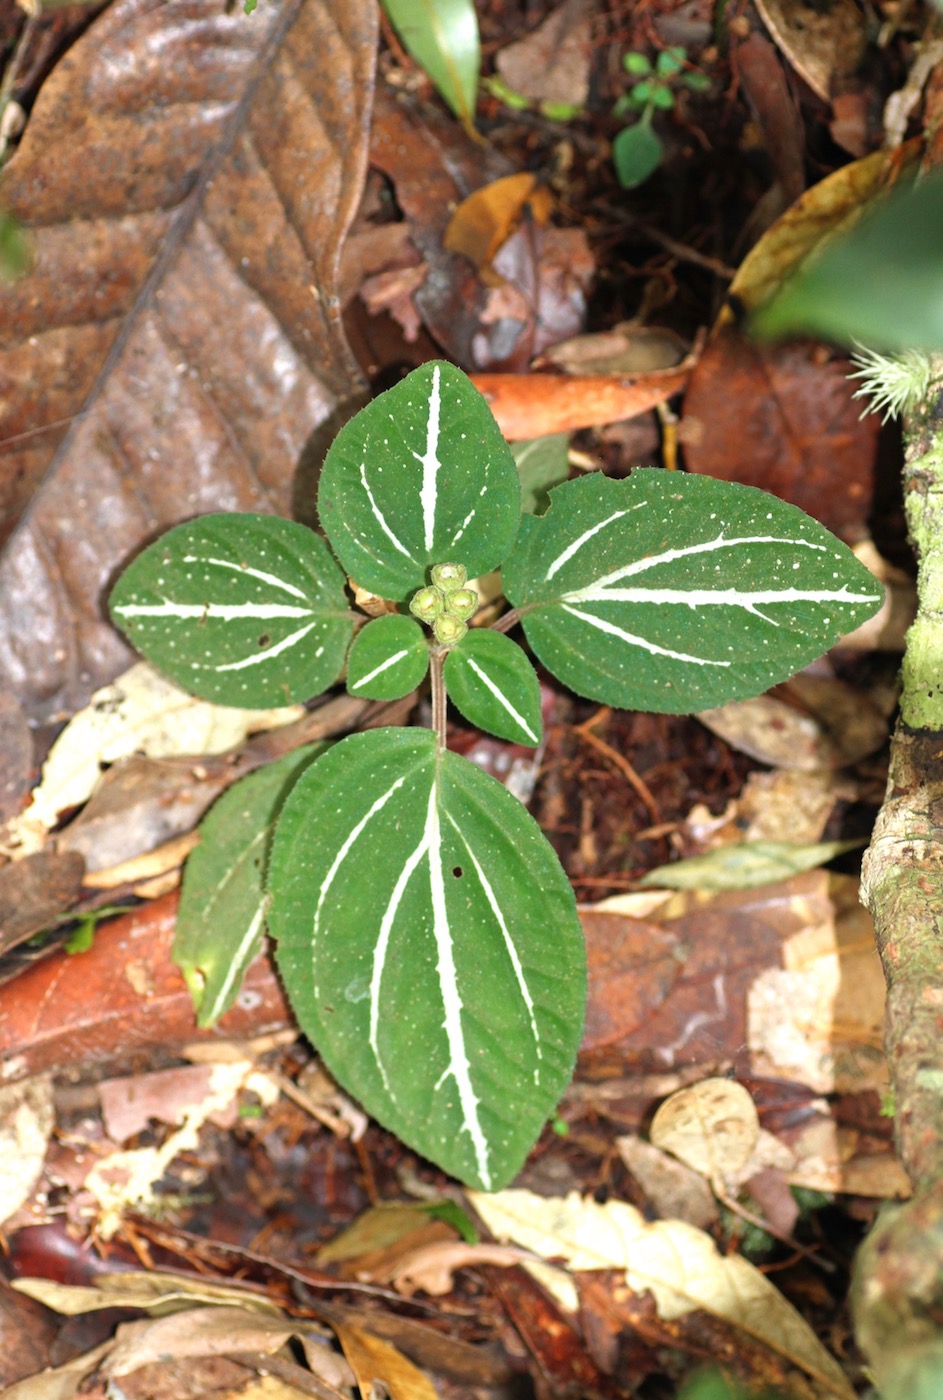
pixel 213 189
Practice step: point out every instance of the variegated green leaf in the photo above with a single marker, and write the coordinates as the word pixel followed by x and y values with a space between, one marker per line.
pixel 221 917
pixel 389 658
pixel 675 593
pixel 420 476
pixel 245 610
pixel 490 680
pixel 430 945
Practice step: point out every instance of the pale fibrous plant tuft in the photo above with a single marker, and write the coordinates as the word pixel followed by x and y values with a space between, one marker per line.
pixel 894 383
pixel 426 934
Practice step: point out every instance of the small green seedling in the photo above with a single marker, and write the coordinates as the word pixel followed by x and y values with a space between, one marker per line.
pixel 637 151
pixel 426 934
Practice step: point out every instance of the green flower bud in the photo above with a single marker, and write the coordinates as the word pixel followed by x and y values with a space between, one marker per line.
pixel 463 603
pixel 427 604
pixel 448 630
pixel 449 576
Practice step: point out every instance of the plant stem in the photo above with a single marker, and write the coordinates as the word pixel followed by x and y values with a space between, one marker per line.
pixel 507 621
pixel 898 1289
pixel 436 663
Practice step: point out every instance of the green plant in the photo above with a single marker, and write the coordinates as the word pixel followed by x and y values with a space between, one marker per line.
pixel 637 151
pixel 426 934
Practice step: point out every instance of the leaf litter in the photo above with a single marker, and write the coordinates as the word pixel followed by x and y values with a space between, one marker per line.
pixel 778 986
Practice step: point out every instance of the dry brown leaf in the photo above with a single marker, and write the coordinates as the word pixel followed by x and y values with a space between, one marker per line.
pixel 27 1118
pixel 188 178
pixel 821 42
pixel 712 1126
pixel 431 1266
pixel 675 1191
pixel 487 218
pixel 677 1264
pixel 825 209
pixel 373 1359
pixel 552 63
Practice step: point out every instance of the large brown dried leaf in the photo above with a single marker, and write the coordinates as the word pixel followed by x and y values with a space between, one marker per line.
pixel 189 176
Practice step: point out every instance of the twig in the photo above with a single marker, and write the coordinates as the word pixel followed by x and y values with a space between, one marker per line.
pixel 638 785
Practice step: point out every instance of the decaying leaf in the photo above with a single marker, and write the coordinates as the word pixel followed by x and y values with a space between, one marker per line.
pixel 144 713
pixel 678 1264
pixel 26 1123
pixel 182 171
pixel 713 1126
pixel 374 1360
pixel 552 63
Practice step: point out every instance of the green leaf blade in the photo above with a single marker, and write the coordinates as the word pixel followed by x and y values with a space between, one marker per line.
pixel 490 680
pixel 442 36
pixel 420 476
pixel 879 283
pixel 659 591
pixel 388 659
pixel 221 916
pixel 244 610
pixel 430 944
pixel 637 153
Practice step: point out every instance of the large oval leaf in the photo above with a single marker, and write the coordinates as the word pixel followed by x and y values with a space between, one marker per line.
pixel 420 476
pixel 241 609
pixel 676 593
pixel 221 918
pixel 429 943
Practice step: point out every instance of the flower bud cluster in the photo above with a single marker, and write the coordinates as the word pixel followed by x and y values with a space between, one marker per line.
pixel 446 604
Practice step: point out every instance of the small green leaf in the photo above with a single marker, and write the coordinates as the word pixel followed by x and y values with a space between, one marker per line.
pixel 662 98
pixel 442 36
pixel 670 61
pixel 641 94
pixel 636 153
pixel 658 591
pixel 745 866
pixel 490 680
pixel 221 916
pixel 541 463
pixel 499 90
pixel 420 476
pixel 430 945
pixel 696 82
pixel 452 1213
pixel 881 283
pixel 388 659
pixel 560 111
pixel 638 64
pixel 246 610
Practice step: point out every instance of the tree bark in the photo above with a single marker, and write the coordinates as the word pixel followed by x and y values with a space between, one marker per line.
pixel 898 1286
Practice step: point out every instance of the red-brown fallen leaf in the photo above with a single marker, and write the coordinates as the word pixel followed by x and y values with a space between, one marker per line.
pixel 559 1352
pixel 187 177
pixel 535 405
pixel 782 418
pixel 27 1332
pixel 633 964
pixel 122 997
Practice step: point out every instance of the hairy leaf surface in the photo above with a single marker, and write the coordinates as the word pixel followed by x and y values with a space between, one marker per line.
pixel 240 609
pixel 490 680
pixel 388 659
pixel 674 593
pixel 421 476
pixel 429 943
